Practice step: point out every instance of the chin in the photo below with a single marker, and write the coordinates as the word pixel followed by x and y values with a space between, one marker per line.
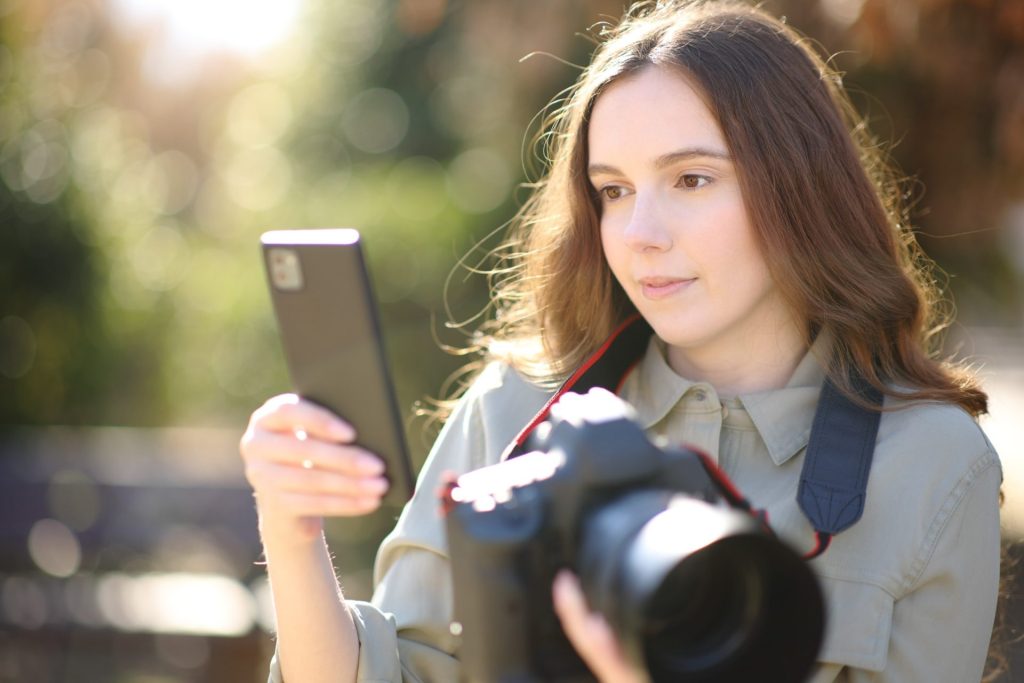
pixel 678 332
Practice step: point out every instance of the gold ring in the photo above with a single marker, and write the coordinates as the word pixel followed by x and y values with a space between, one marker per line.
pixel 307 464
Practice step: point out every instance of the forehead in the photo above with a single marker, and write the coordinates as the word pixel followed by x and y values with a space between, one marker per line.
pixel 652 111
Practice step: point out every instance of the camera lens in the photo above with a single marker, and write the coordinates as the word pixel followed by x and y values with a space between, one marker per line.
pixel 702 613
pixel 698 592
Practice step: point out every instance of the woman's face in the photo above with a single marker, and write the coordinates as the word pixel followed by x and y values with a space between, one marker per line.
pixel 674 227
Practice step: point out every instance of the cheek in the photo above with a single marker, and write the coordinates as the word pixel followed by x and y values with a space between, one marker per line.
pixel 732 253
pixel 752 279
pixel 749 254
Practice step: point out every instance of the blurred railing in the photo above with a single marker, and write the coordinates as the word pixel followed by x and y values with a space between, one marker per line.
pixel 128 555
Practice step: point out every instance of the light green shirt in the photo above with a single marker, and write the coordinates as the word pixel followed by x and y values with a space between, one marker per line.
pixel 910 589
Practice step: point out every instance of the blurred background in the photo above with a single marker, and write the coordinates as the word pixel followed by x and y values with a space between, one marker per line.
pixel 145 145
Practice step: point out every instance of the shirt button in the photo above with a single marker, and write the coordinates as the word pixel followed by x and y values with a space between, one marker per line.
pixel 700 394
pixel 725 411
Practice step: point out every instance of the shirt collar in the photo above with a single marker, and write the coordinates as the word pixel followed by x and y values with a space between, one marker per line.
pixel 783 417
pixel 654 388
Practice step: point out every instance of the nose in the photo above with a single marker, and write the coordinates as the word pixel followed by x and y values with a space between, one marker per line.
pixel 647 230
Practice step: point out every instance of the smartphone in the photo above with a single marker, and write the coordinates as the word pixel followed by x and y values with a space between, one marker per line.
pixel 331 335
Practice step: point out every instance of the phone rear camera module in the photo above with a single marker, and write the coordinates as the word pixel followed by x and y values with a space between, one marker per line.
pixel 285 269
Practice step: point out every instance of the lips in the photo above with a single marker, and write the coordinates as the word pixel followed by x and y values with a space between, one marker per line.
pixel 661 287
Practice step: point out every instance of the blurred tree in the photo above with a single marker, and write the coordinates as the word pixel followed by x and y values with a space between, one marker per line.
pixel 942 82
pixel 413 126
pixel 57 361
pixel 136 179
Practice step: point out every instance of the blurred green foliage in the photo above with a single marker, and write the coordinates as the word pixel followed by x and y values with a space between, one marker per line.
pixel 133 190
pixel 136 178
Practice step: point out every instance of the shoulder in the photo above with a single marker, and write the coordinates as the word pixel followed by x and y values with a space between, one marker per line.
pixel 931 513
pixel 498 403
pixel 932 421
pixel 927 459
pixel 499 391
pixel 931 442
pixel 498 380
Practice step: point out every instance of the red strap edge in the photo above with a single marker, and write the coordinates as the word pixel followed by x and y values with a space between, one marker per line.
pixel 568 384
pixel 822 540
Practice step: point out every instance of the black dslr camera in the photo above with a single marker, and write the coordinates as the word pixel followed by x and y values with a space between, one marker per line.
pixel 695 587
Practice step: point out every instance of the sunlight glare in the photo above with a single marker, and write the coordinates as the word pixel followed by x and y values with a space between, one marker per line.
pixel 188 30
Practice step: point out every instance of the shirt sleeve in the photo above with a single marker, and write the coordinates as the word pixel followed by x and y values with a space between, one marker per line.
pixel 403 632
pixel 940 628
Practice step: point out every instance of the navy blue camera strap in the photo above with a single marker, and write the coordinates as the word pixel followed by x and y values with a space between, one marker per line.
pixel 834 478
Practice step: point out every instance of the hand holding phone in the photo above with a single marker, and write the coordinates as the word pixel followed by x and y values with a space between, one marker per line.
pixel 330 333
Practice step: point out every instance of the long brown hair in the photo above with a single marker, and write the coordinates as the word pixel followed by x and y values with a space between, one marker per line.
pixel 824 206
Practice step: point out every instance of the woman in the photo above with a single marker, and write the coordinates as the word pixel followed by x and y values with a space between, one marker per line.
pixel 703 174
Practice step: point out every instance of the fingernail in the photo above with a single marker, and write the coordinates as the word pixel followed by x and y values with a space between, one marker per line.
pixel 342 431
pixel 562 582
pixel 371 465
pixel 379 485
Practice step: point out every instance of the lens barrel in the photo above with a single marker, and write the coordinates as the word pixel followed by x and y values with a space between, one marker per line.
pixel 700 592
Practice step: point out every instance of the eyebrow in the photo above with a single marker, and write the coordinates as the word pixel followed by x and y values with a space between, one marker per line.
pixel 665 160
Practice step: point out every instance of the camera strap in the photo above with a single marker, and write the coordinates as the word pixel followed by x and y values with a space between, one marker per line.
pixel 834 478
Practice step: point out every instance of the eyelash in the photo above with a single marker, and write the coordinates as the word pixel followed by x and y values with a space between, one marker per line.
pixel 682 179
pixel 603 192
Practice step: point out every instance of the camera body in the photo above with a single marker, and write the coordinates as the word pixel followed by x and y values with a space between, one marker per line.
pixel 695 587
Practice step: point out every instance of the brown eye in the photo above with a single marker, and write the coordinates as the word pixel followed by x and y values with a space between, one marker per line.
pixel 692 181
pixel 612 193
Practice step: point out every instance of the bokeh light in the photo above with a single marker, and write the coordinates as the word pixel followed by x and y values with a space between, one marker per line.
pixel 145 145
pixel 185 31
pixel 181 603
pixel 259 115
pixel 54 548
pixel 258 178
pixel 376 120
pixel 479 180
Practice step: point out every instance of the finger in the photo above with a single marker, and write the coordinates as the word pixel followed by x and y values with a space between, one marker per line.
pixel 590 634
pixel 289 413
pixel 266 476
pixel 571 607
pixel 310 453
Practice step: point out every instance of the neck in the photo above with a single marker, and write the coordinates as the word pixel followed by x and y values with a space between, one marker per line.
pixel 743 364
